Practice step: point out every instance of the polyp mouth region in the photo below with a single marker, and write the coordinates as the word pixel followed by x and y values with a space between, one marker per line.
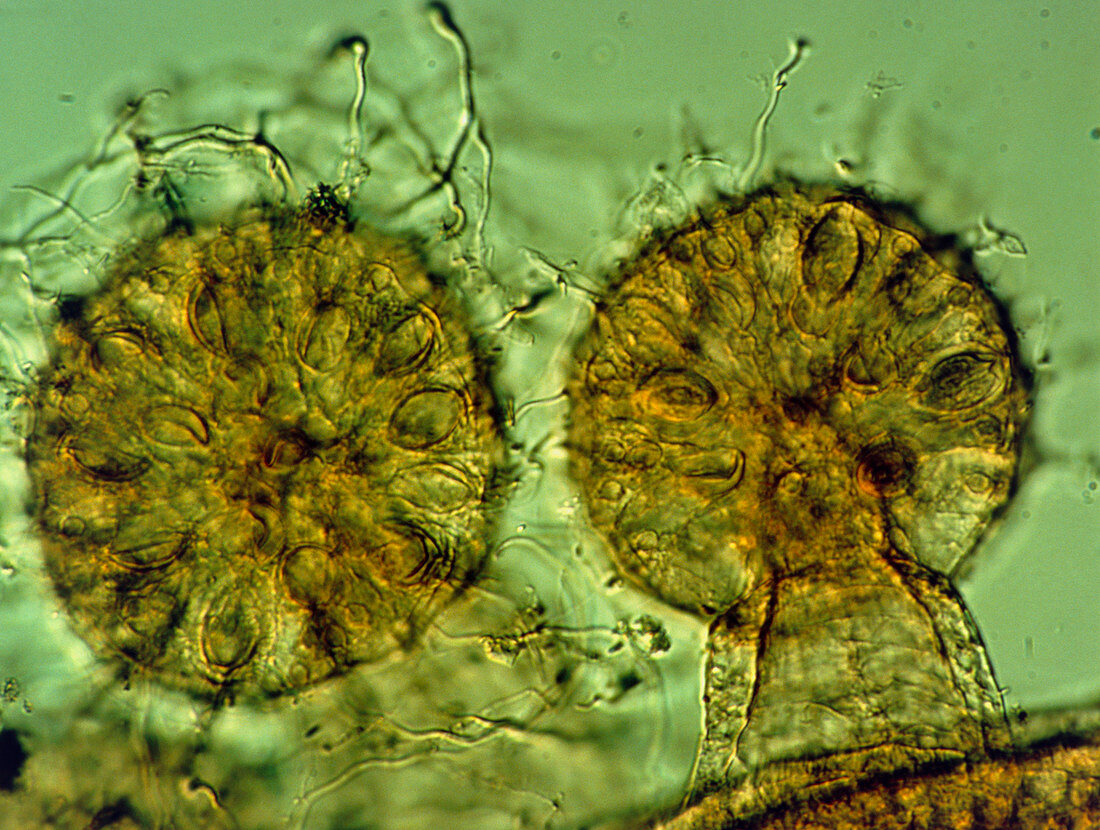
pixel 261 452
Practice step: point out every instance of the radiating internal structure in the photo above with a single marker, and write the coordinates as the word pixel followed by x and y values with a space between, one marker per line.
pixel 261 453
pixel 794 416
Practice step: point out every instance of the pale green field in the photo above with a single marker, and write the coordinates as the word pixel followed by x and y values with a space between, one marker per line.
pixel 972 112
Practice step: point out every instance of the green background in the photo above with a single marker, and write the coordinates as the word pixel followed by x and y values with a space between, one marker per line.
pixel 970 110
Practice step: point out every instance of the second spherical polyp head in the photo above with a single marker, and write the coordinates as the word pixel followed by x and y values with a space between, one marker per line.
pixel 792 379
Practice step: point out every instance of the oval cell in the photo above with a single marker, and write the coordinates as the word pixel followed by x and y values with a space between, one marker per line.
pixel 426 418
pixel 961 381
pixel 325 339
pixel 676 395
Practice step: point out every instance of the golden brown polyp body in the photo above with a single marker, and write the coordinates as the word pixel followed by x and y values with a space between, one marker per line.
pixel 794 415
pixel 261 454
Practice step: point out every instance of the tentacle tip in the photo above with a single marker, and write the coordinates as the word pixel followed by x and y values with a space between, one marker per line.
pixel 354 43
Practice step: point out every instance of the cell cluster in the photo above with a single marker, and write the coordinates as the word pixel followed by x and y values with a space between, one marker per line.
pixel 794 416
pixel 792 372
pixel 261 453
